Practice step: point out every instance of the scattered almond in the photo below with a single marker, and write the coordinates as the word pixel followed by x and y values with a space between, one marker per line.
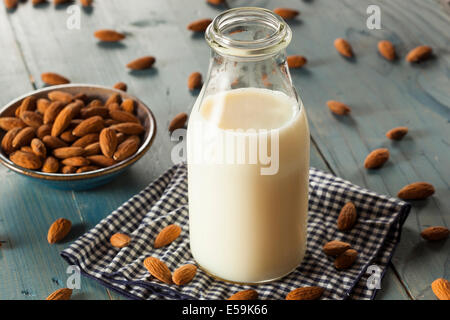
pixel 397 133
pixel 86 3
pixel 58 230
pixel 435 233
pixel 416 191
pixel 167 235
pixel 195 81
pixel 178 121
pixel 386 49
pixel 184 274
pixel 343 47
pixel 338 108
pixel 335 247
pixel 249 294
pixel 346 259
pixel 419 54
pixel 120 86
pixel 441 288
pixel 108 35
pixel 119 240
pixel 286 13
pixel 305 293
pixel 52 79
pixel 158 269
pixel 60 294
pixel 296 61
pixel 347 217
pixel 11 4
pixel 199 25
pixel 141 63
pixel 376 158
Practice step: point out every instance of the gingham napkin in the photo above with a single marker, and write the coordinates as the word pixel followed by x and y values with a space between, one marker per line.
pixel 164 202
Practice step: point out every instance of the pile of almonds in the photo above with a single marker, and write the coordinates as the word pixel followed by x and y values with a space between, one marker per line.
pixel 67 133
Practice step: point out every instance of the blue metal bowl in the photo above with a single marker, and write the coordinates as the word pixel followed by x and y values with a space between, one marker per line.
pixel 91 179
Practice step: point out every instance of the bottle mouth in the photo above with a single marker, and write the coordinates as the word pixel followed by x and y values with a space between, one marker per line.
pixel 248 32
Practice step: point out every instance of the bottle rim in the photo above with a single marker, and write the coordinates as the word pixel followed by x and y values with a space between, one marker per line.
pixel 220 34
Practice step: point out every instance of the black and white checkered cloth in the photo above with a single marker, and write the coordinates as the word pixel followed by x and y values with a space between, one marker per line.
pixel 164 202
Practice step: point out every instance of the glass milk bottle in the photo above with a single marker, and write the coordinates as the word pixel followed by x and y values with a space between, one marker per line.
pixel 248 153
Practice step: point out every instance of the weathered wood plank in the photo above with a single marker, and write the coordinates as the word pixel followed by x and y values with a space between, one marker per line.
pixel 383 95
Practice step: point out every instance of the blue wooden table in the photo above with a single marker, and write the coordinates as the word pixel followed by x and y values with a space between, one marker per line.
pixel 382 95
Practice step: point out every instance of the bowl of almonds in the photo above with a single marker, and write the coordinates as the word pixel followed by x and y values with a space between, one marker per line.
pixel 74 136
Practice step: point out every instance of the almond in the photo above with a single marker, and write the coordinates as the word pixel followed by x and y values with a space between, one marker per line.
pixel 120 86
pixel 62 96
pixel 199 25
pixel 158 269
pixel 90 125
pixel 52 111
pixel 387 50
pixel 44 130
pixel 60 294
pixel 86 140
pixel 167 235
pixel 113 107
pixel 96 103
pixel 87 169
pixel 53 142
pixel 11 4
pixel 94 111
pixel 416 191
pixel 60 2
pixel 51 165
pixel 108 142
pixel 178 121
pixel 86 3
pixel 123 116
pixel 52 79
pixel 346 259
pixel 184 274
pixel 58 230
pixel 249 294
pixel 101 161
pixel 343 47
pixel 419 54
pixel 335 247
pixel 26 149
pixel 305 293
pixel 296 61
pixel 195 81
pixel 42 104
pixel 8 123
pixel 76 162
pixel 397 133
pixel 376 158
pixel 128 105
pixel 38 148
pixel 120 138
pixel 127 148
pixel 27 104
pixel 68 152
pixel 441 288
pixel 31 118
pixel 215 2
pixel 23 137
pixel 114 98
pixel 26 159
pixel 435 233
pixel 347 217
pixel 338 108
pixel 128 128
pixel 92 149
pixel 286 13
pixel 8 139
pixel 108 35
pixel 119 240
pixel 142 63
pixel 68 169
pixel 68 137
pixel 64 118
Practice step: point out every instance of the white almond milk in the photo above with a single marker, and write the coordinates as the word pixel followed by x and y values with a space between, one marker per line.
pixel 246 226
